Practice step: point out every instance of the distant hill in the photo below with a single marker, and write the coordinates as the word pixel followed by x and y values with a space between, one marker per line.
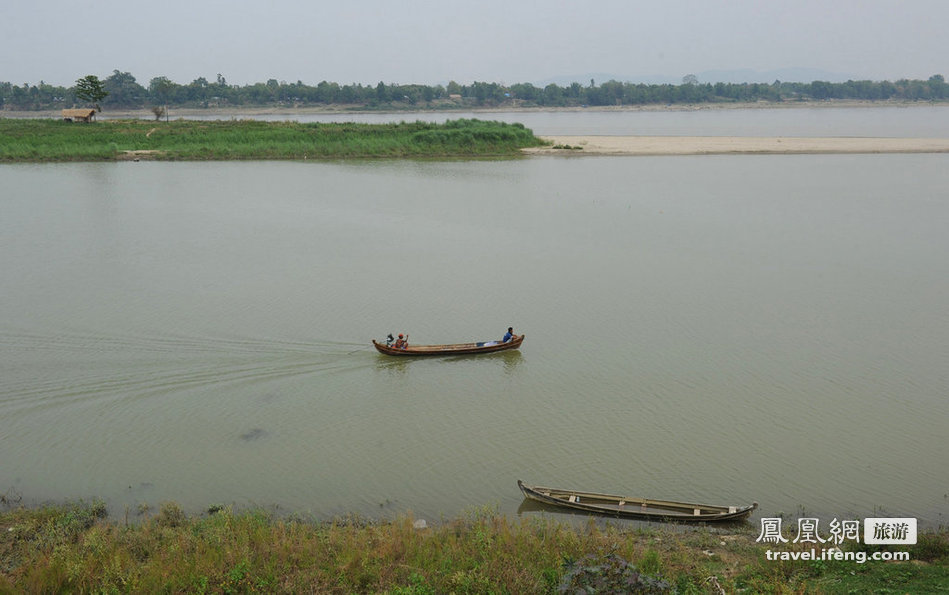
pixel 785 75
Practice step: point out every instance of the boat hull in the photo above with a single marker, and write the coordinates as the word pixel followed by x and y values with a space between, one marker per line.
pixel 455 349
pixel 635 508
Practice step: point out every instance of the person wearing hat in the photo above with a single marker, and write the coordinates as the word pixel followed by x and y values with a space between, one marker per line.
pixel 509 335
pixel 401 343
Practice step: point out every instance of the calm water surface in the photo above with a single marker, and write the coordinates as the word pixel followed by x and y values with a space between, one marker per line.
pixel 916 121
pixel 715 328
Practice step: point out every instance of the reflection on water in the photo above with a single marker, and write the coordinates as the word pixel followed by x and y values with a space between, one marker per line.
pixel 509 361
pixel 721 329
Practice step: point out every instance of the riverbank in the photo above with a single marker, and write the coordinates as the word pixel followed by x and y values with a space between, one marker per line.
pixel 52 141
pixel 731 145
pixel 39 140
pixel 74 547
pixel 293 112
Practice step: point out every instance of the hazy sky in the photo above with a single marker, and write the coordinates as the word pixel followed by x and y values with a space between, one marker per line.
pixel 434 41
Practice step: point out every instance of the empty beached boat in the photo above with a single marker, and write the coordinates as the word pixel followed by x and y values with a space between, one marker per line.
pixel 635 508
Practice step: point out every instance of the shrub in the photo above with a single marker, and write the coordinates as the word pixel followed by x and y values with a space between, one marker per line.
pixel 170 515
pixel 610 574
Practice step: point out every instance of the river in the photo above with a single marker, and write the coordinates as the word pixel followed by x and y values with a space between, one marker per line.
pixel 705 328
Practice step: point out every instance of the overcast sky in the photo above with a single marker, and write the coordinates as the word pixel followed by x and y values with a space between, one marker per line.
pixel 435 41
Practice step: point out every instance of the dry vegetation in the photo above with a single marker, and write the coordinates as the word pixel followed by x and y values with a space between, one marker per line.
pixel 74 547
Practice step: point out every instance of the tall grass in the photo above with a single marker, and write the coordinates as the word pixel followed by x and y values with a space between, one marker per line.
pixel 53 140
pixel 71 548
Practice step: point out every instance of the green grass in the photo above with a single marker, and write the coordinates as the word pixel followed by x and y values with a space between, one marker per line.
pixel 74 548
pixel 35 140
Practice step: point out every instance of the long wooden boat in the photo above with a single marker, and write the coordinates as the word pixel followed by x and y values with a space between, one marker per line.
pixel 454 349
pixel 635 508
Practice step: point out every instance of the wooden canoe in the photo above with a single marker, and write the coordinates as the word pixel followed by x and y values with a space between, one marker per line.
pixel 635 508
pixel 455 349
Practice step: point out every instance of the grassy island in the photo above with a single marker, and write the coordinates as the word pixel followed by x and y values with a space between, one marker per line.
pixel 35 140
pixel 75 547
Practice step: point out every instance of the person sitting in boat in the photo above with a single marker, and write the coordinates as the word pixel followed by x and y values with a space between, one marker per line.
pixel 509 335
pixel 401 343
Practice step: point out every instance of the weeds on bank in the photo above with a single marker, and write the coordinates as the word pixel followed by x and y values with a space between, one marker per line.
pixel 74 548
pixel 38 140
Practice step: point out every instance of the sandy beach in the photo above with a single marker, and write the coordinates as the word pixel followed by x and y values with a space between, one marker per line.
pixel 731 145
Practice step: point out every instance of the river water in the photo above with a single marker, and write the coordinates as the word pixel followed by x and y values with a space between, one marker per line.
pixel 709 328
pixel 914 121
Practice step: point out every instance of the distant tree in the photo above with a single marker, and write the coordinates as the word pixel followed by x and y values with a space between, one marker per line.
pixel 197 91
pixel 611 93
pixel 347 94
pixel 327 92
pixel 553 95
pixel 525 91
pixel 123 90
pixel 89 88
pixel 937 85
pixel 161 89
pixel 822 90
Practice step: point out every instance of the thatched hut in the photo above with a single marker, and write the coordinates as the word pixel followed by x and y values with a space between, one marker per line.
pixel 79 115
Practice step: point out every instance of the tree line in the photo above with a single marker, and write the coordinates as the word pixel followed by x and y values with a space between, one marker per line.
pixel 122 91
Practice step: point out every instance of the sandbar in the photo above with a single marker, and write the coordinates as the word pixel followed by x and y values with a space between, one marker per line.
pixel 733 145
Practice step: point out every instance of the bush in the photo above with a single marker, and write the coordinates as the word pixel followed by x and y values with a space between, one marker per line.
pixel 611 574
pixel 931 547
pixel 170 515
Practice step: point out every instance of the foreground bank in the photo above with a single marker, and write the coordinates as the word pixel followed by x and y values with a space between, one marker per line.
pixel 53 140
pixel 74 547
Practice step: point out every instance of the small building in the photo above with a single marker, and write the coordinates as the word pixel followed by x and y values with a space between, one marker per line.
pixel 79 115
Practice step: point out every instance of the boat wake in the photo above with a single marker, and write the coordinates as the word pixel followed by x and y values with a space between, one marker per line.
pixel 42 370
